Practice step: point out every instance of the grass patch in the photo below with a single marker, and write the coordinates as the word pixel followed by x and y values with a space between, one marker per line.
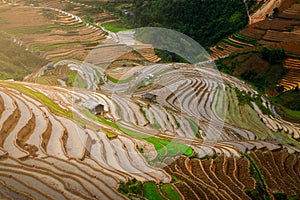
pixel 109 134
pixel 169 192
pixel 132 186
pixel 43 48
pixel 15 61
pixel 115 27
pixel 114 80
pixel 175 179
pixel 232 43
pixel 164 147
pixel 246 39
pixel 195 128
pixel 291 113
pixel 150 191
pixel 33 29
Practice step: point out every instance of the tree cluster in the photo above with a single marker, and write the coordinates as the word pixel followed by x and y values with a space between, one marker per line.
pixel 205 21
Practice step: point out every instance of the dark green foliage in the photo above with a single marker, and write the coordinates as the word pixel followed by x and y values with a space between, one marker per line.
pixel 132 186
pixel 148 190
pixel 207 157
pixel 253 77
pixel 280 88
pixel 233 43
pixel 89 19
pixel 245 98
pixel 205 21
pixel 141 150
pixel 245 39
pixel 290 99
pixel 273 56
pixel 275 11
pixel 172 41
pixel 167 57
pixel 263 75
pixel 280 196
pixel 294 197
pixel 228 69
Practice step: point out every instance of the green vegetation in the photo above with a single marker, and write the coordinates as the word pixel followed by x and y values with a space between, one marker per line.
pixel 245 98
pixel 263 69
pixel 205 21
pixel 115 27
pixel 290 99
pixel 169 192
pixel 132 186
pixel 285 112
pixel 15 61
pixel 71 77
pixel 207 157
pixel 245 39
pixel 33 29
pixel 119 81
pixel 150 191
pixel 260 191
pixel 109 134
pixel 288 104
pixel 195 128
pixel 54 107
pixel 238 106
pixel 291 113
pixel 57 45
pixel 273 56
pixel 164 147
pixel 88 18
pixel 167 57
pixel 233 43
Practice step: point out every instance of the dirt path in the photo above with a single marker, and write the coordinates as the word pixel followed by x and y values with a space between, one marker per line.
pixel 247 10
pixel 267 8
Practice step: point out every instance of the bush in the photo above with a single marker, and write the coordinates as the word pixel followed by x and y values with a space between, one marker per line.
pixel 273 56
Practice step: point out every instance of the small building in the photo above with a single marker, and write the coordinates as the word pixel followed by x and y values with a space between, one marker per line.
pixel 149 76
pixel 149 96
pixel 125 12
pixel 95 107
pixel 46 9
pixel 50 66
pixel 136 74
pixel 270 16
pixel 64 78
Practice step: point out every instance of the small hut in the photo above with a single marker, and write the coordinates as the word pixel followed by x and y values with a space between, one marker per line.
pixel 149 96
pixel 95 107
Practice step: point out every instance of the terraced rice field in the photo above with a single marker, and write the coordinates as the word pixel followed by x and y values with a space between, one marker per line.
pixel 292 79
pixel 282 31
pixel 194 141
pixel 31 130
pixel 54 34
pixel 39 140
pixel 230 178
